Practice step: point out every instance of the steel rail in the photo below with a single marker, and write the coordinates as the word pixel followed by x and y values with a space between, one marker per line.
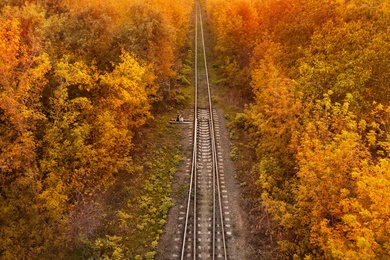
pixel 192 193
pixel 215 156
pixel 194 154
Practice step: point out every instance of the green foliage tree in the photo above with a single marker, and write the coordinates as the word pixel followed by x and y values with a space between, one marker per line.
pixel 346 59
pixel 148 35
pixel 85 35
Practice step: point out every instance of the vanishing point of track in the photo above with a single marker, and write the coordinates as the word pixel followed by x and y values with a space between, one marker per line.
pixel 204 231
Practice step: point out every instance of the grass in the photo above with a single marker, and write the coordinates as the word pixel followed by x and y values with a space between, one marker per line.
pixel 160 160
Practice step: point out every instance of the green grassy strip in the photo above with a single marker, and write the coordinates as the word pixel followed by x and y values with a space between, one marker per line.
pixel 135 208
pixel 154 199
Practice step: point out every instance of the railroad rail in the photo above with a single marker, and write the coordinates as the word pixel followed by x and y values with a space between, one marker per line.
pixel 203 231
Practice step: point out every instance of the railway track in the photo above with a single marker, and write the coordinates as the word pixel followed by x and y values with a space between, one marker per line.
pixel 204 223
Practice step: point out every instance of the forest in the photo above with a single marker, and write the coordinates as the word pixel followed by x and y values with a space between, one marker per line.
pixel 78 79
pixel 315 77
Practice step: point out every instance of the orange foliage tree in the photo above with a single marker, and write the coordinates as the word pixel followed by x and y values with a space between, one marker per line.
pixel 22 80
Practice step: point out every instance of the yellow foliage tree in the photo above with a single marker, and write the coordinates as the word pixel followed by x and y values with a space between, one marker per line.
pixel 341 186
pixel 127 90
pixel 88 139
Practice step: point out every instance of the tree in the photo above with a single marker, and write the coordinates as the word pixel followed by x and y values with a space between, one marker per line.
pixel 277 110
pixel 127 91
pixel 274 122
pixel 334 198
pixel 235 26
pixel 342 59
pixel 87 141
pixel 22 81
pixel 148 35
pixel 84 35
pixel 71 99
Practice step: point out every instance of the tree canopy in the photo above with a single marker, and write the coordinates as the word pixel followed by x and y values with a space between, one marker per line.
pixel 317 117
pixel 78 79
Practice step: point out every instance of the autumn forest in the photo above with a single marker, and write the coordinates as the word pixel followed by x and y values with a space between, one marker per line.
pixel 317 77
pixel 77 79
pixel 81 82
